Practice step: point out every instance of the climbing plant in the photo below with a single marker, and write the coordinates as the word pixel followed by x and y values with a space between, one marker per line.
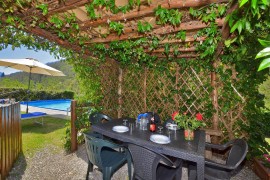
pixel 231 59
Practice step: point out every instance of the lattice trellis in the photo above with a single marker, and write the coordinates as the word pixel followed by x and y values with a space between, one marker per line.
pixel 108 73
pixel 128 92
pixel 230 115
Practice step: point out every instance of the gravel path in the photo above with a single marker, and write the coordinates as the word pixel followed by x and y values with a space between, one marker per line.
pixel 48 164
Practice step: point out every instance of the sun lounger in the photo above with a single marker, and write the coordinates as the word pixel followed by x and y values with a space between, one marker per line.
pixel 34 115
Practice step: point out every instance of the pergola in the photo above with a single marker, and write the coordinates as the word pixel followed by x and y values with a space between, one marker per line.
pixel 81 25
pixel 91 22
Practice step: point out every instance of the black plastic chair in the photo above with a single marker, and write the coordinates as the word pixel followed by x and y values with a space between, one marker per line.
pixel 95 118
pixel 149 165
pixel 213 170
pixel 102 154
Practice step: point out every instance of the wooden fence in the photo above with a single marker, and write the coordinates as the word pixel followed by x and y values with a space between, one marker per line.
pixel 10 137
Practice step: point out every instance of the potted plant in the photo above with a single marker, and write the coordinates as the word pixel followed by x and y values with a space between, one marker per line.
pixel 189 124
pixel 262 167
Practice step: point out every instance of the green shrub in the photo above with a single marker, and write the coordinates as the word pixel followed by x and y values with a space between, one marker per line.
pixel 22 95
pixel 258 129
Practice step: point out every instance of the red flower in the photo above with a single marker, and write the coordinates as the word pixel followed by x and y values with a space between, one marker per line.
pixel 199 116
pixel 174 114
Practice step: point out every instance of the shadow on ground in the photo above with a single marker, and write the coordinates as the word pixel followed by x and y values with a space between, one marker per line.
pixel 50 124
pixel 18 169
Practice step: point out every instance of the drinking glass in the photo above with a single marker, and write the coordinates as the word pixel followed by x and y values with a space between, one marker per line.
pixel 143 124
pixel 160 129
pixel 125 122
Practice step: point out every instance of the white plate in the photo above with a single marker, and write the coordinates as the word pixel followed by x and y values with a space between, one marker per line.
pixel 120 129
pixel 160 139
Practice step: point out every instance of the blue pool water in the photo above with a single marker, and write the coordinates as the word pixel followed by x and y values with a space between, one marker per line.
pixel 57 104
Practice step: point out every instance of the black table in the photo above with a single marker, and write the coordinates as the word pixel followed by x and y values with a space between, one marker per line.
pixel 178 147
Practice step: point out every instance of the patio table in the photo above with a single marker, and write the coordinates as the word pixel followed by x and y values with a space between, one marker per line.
pixel 178 147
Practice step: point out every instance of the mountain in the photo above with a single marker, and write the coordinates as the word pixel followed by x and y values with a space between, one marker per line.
pixel 43 82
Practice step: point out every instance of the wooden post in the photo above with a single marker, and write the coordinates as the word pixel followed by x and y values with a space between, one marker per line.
pixel 73 137
pixel 214 99
pixel 120 80
pixel 144 89
pixel 225 33
pixel 176 96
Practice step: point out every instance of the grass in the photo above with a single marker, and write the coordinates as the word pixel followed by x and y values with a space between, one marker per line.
pixel 35 136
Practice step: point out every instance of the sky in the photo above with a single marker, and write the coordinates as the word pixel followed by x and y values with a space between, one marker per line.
pixel 21 53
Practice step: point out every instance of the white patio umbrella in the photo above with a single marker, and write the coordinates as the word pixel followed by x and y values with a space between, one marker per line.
pixel 32 66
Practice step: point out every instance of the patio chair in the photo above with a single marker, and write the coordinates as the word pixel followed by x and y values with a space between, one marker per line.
pixel 95 118
pixel 102 154
pixel 213 170
pixel 150 165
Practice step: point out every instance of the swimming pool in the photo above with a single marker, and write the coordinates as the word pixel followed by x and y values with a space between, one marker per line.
pixel 57 104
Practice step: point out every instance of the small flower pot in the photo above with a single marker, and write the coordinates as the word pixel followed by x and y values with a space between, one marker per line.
pixel 189 134
pixel 261 171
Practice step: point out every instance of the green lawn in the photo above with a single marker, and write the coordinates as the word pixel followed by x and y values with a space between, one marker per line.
pixel 35 136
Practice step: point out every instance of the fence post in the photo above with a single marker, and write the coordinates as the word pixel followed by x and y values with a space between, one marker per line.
pixel 120 80
pixel 144 89
pixel 73 130
pixel 214 100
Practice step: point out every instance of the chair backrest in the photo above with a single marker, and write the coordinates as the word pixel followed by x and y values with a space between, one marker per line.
pixel 145 162
pixel 95 118
pixel 237 153
pixel 93 148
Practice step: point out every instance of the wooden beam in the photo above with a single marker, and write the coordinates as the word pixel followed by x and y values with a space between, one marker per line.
pixel 67 5
pixel 178 56
pixel 188 39
pixel 192 25
pixel 148 11
pixel 162 50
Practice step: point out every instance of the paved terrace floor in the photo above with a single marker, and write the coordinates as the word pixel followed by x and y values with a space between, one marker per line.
pixel 50 166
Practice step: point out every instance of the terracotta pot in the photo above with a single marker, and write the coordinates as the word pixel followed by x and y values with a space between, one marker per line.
pixel 189 134
pixel 261 171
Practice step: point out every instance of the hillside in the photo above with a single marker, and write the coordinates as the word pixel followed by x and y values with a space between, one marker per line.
pixel 43 82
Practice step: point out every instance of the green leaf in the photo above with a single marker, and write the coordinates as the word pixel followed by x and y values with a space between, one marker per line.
pixel 254 4
pixel 263 53
pixel 264 64
pixel 240 27
pixel 266 2
pixel 243 2
pixel 227 43
pixel 235 26
pixel 264 43
pixel 248 26
pixel 138 3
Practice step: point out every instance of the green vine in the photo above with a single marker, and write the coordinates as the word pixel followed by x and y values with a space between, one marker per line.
pixel 117 27
pixel 164 16
pixel 247 24
pixel 144 27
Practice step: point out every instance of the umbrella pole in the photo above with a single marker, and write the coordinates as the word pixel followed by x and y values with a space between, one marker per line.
pixel 28 90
